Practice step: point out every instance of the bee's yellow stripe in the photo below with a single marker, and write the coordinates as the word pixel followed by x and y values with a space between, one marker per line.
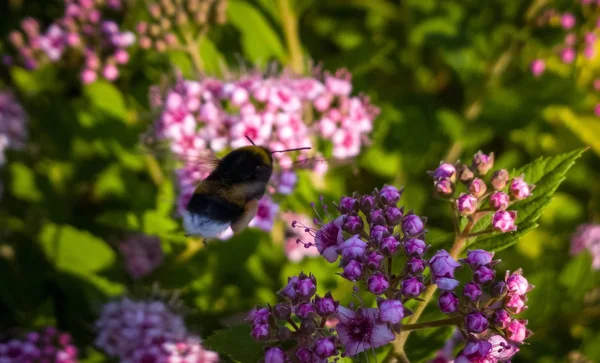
pixel 265 157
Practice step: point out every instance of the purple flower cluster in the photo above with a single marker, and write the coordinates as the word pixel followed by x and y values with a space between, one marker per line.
pixel 587 237
pixel 13 124
pixel 48 345
pixel 148 332
pixel 197 117
pixel 498 193
pixel 98 43
pixel 142 255
pixel 168 17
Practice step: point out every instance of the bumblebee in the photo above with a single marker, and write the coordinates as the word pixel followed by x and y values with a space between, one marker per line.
pixel 229 196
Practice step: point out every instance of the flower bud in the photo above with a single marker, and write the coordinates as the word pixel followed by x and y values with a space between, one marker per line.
pixel 325 305
pixel 504 221
pixel 443 187
pixel 306 286
pixel 500 318
pixel 389 245
pixel 352 248
pixel 308 327
pixel 446 283
pixel 498 288
pixel 412 225
pixel 476 351
pixel 477 187
pixel 472 291
pixel 391 311
pixel 376 217
pixel 378 283
pixel 477 258
pixel 465 174
pixel 305 311
pixel 448 302
pixel 275 355
pixel 499 200
pixel 412 287
pixel 378 233
pixel 518 284
pixel 444 171
pixel 393 216
pixel 483 275
pixel 374 259
pixel 348 204
pixel 499 179
pixel 325 347
pixel 415 265
pixel 261 316
pixel 415 247
pixel 304 355
pixel 517 331
pixel 443 265
pixel 367 203
pixel 260 331
pixel 282 311
pixel 283 333
pixel 476 322
pixel 353 270
pixel 466 204
pixel 515 303
pixel 389 195
pixel 482 162
pixel 519 188
pixel 354 224
pixel 289 290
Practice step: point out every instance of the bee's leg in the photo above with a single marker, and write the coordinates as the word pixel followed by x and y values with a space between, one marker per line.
pixel 249 212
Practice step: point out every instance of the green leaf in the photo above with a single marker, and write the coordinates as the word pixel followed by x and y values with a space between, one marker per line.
pixel 155 223
pixel 165 198
pixel 107 99
pixel 119 219
pixel 586 128
pixel 423 344
pixel 236 343
pixel 34 81
pixel 212 58
pixel 23 184
pixel 259 40
pixel 546 173
pixel 72 250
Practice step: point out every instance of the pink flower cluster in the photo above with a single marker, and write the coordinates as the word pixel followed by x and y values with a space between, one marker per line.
pixel 82 30
pixel 210 115
pixel 147 332
pixel 13 124
pixel 166 17
pixel 587 237
pixel 499 193
pixel 142 255
pixel 48 345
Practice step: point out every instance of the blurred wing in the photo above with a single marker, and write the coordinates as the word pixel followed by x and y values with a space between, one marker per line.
pixel 250 210
pixel 310 163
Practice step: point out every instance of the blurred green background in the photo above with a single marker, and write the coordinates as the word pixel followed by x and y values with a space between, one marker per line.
pixel 451 77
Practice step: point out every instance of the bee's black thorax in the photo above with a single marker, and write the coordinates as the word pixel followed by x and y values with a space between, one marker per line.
pixel 243 165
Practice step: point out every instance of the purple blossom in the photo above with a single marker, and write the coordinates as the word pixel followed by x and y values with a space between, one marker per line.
pixel 348 204
pixel 502 350
pixel 353 270
pixel 504 221
pixel 444 187
pixel 378 233
pixel 142 255
pixel 472 291
pixel 444 171
pixel 376 217
pixel 517 283
pixel 466 204
pixel 359 330
pixel 411 287
pixel 325 347
pixel 13 124
pixel 352 248
pixel 275 355
pixel 260 316
pixel 378 283
pixel 477 258
pixel 260 331
pixel 289 290
pixel 476 322
pixel 53 42
pixel 304 310
pixel 475 351
pixel 306 286
pixel 415 247
pixel 448 302
pixel 501 318
pixel 389 195
pixel 374 260
pixel 328 238
pixel 391 311
pixel 483 275
pixel 353 224
pixel 412 225
pixel 282 311
pixel 367 203
pixel 47 345
pixel 443 265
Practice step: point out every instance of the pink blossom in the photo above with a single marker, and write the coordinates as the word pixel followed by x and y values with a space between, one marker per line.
pixel 360 331
pixel 142 255
pixel 567 55
pixel 504 221
pixel 53 42
pixel 567 20
pixel 328 238
pixel 265 215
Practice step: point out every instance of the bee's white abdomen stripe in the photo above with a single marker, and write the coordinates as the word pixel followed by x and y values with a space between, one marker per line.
pixel 200 225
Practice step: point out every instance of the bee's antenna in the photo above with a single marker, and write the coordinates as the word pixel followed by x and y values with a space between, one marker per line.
pixel 296 149
pixel 249 139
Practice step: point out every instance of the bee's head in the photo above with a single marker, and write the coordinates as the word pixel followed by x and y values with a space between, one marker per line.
pixel 249 163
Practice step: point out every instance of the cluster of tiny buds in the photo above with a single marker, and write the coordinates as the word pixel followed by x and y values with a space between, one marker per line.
pixel 167 16
pixel 47 345
pixel 499 192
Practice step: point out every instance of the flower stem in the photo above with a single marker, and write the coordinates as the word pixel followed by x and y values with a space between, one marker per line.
pixel 432 324
pixel 290 29
pixel 192 47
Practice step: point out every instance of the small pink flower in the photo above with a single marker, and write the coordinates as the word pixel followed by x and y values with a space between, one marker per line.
pixel 520 189
pixel 571 39
pixel 517 331
pixel 567 55
pixel 502 350
pixel 597 110
pixel 328 238
pixel 504 221
pixel 88 76
pixel 466 204
pixel 110 72
pixel 517 284
pixel 568 21
pixel 499 200
pixel 265 215
pixel 359 330
pixel 515 303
